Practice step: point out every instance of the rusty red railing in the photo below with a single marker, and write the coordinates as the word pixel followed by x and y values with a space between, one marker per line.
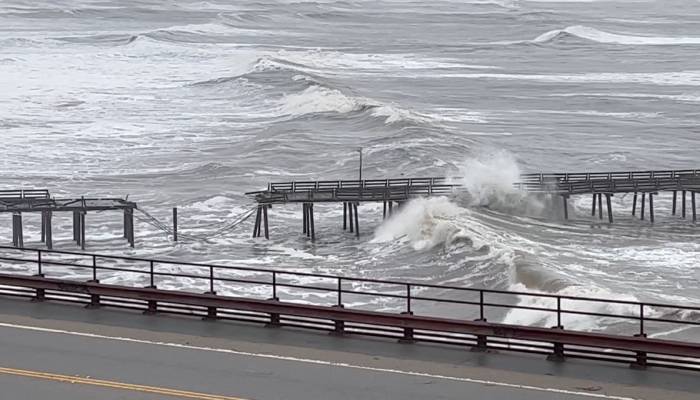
pixel 411 311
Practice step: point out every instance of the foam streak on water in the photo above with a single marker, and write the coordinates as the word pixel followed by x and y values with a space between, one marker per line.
pixel 190 103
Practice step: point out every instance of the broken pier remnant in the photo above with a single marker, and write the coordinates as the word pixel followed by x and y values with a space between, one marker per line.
pixel 19 202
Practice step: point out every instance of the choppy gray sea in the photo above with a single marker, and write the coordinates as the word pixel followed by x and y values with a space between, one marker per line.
pixel 192 103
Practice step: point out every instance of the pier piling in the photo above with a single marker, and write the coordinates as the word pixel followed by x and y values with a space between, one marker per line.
pixel 683 205
pixel 673 208
pixel 174 224
pixel 644 199
pixel 692 201
pixel 609 204
pixel 267 231
pixel 345 215
pixel 634 204
pixel 565 201
pixel 357 220
pixel 651 207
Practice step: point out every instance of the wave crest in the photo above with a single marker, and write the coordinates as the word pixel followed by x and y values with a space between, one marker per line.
pixel 598 36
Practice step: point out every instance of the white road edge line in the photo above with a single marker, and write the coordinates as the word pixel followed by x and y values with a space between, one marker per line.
pixel 317 362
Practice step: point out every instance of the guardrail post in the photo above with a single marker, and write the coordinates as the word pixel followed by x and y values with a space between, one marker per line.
pixel 38 264
pixel 152 304
pixel 558 350
pixel 481 340
pixel 211 311
pixel 94 298
pixel 407 332
pixel 40 293
pixel 641 356
pixel 274 317
pixel 339 328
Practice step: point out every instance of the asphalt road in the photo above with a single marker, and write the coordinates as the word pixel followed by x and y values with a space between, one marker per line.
pixel 68 353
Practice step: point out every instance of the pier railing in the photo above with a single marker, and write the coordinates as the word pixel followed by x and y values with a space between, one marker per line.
pixel 354 190
pixel 23 194
pixel 412 309
pixel 620 175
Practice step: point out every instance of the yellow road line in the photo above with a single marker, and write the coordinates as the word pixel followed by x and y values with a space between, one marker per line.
pixel 115 385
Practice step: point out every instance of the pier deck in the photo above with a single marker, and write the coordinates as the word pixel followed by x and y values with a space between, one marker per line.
pixel 22 201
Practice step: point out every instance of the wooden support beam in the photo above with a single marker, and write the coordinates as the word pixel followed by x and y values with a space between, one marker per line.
pixel 565 200
pixel 76 226
pixel 357 221
pixel 673 208
pixel 49 230
pixel 174 224
pixel 345 215
pixel 311 221
pixel 256 226
pixel 651 207
pixel 391 207
pixel 683 205
pixel 14 230
pixel 634 204
pixel 82 230
pixel 384 214
pixel 132 239
pixel 20 231
pixel 267 230
pixel 609 204
pixel 692 203
pixel 126 223
pixel 593 206
pixel 600 205
pixel 644 198
pixel 350 214
pixel 43 226
pixel 304 218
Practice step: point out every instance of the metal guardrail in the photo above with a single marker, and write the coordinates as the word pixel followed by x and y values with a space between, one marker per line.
pixel 483 302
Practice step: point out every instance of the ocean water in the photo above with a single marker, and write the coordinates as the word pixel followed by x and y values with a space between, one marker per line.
pixel 190 104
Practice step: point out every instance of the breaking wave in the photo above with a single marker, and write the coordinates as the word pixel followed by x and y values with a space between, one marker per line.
pixel 595 35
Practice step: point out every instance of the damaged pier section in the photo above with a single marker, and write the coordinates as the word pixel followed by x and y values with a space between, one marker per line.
pixel 644 184
pixel 19 202
pixel 391 192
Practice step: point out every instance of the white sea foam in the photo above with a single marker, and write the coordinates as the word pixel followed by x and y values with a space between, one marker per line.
pixel 571 321
pixel 683 97
pixel 424 223
pixel 678 78
pixel 319 99
pixel 596 35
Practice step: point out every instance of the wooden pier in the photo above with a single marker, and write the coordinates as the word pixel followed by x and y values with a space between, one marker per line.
pixel 18 202
pixel 394 192
pixel 391 192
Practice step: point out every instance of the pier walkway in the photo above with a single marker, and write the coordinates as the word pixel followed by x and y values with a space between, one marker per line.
pixel 19 202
